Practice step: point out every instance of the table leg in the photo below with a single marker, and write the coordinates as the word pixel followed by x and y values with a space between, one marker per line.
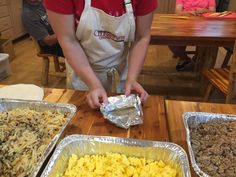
pixel 232 78
pixel 205 59
pixel 45 70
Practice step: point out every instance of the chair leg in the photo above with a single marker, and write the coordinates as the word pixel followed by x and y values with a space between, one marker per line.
pixel 231 90
pixel 226 59
pixel 56 64
pixel 45 71
pixel 208 92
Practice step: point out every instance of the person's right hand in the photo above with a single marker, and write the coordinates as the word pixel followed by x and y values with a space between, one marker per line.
pixel 201 10
pixel 96 96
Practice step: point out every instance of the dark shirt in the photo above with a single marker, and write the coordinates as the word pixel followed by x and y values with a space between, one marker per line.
pixel 35 21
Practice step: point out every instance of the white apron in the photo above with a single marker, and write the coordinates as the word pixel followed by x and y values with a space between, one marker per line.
pixel 105 41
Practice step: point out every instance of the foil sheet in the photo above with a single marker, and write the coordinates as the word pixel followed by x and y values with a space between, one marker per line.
pixel 123 111
pixel 194 118
pixel 81 145
pixel 69 109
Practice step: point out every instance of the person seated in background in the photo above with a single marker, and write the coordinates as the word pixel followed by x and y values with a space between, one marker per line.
pixel 189 7
pixel 36 23
pixel 222 5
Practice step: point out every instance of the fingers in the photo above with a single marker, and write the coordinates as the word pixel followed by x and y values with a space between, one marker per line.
pixel 144 96
pixel 104 98
pixel 127 89
pixel 142 93
pixel 93 101
pixel 137 88
pixel 96 97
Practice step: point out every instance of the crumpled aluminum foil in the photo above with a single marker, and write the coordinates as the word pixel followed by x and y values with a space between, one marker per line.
pixel 123 111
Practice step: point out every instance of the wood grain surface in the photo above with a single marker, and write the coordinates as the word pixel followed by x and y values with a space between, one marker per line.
pixel 194 30
pixel 91 122
pixel 174 111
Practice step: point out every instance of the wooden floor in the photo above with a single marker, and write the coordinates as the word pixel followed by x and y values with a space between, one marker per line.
pixel 27 68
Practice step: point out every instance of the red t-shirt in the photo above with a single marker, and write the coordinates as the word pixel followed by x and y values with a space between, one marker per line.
pixel 114 8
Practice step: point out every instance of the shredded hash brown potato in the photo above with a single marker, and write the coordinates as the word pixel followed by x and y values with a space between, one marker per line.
pixel 24 136
pixel 116 165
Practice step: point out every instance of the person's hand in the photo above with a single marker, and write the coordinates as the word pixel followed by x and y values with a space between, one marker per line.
pixel 96 96
pixel 188 13
pixel 200 11
pixel 133 86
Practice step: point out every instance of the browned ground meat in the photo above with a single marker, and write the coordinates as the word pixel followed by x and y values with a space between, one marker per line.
pixel 214 147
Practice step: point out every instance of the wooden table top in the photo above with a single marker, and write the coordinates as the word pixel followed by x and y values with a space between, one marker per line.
pixel 193 31
pixel 174 111
pixel 91 122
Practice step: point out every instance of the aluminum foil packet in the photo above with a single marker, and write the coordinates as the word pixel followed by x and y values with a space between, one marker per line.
pixel 123 111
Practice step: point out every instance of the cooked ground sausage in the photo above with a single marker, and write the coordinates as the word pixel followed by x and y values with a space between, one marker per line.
pixel 214 147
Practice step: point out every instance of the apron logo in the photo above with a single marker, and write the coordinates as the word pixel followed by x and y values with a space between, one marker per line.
pixel 108 35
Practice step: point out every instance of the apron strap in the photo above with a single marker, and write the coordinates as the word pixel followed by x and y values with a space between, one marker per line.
pixel 87 4
pixel 113 78
pixel 130 13
pixel 128 6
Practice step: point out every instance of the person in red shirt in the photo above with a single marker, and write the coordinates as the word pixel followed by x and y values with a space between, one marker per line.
pixel 102 38
pixel 189 7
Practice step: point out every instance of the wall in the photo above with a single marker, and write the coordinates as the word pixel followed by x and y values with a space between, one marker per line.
pixel 166 6
pixel 232 5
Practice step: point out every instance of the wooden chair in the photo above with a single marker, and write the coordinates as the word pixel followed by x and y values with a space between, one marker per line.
pixel 59 66
pixel 223 78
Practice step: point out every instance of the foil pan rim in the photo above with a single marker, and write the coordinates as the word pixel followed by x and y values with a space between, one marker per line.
pixel 185 117
pixel 120 141
pixel 55 139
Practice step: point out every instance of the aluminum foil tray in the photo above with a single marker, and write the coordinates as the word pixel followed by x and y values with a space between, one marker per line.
pixel 10 104
pixel 194 118
pixel 82 145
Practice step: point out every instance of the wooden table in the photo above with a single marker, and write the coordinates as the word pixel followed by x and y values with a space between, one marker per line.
pixel 206 34
pixel 91 122
pixel 174 111
pixel 198 31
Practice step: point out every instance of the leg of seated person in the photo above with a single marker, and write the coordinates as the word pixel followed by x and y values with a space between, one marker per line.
pixel 179 51
pixel 185 62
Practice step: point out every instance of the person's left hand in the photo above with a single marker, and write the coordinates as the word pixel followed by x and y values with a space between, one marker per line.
pixel 133 86
pixel 201 10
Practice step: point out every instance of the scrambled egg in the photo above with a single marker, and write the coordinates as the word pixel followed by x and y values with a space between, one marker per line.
pixel 116 165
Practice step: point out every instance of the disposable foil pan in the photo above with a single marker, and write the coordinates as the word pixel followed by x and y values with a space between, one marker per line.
pixel 81 145
pixel 194 118
pixel 69 109
pixel 123 111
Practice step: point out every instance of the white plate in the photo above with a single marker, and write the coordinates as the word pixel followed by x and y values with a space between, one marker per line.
pixel 22 91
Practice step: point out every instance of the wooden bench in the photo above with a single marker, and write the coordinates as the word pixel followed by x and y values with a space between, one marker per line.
pixel 218 78
pixel 224 79
pixel 59 66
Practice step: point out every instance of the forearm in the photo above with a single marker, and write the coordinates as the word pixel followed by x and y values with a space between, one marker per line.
pixel 139 47
pixel 137 56
pixel 79 62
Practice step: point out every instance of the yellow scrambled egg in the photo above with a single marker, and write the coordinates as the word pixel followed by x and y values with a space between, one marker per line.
pixel 116 165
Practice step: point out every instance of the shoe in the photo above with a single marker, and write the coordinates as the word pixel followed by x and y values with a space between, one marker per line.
pixel 174 56
pixel 185 65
